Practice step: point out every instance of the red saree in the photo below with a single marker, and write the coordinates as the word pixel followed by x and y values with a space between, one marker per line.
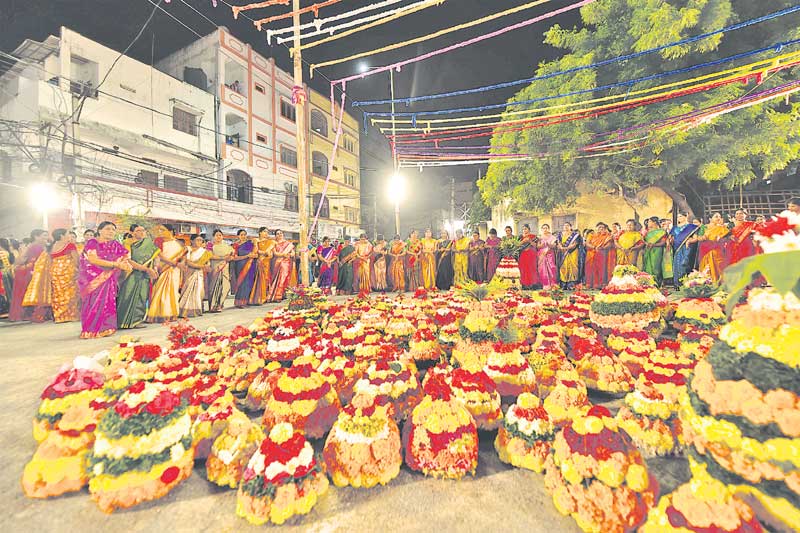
pixel 600 260
pixel 528 267
pixel 741 244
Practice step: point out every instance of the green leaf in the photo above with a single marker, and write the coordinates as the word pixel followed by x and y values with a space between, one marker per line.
pixel 779 270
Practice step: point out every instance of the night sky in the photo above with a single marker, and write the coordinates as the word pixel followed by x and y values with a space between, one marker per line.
pixel 511 56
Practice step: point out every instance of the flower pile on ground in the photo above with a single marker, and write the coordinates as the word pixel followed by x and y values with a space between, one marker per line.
pixel 630 302
pixel 525 438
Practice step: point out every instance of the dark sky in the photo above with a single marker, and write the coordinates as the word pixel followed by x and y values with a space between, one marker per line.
pixel 511 56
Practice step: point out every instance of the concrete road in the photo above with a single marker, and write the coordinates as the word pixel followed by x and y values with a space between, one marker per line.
pixel 498 498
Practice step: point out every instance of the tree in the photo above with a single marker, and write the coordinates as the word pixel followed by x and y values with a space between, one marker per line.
pixel 731 150
pixel 479 212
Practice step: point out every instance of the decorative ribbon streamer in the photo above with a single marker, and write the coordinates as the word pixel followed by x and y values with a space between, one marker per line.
pixel 609 61
pixel 750 69
pixel 625 83
pixel 411 9
pixel 400 64
pixel 237 9
pixel 318 23
pixel 330 167
pixel 302 11
pixel 434 35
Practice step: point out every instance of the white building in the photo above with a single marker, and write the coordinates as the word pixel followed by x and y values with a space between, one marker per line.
pixel 256 120
pixel 144 144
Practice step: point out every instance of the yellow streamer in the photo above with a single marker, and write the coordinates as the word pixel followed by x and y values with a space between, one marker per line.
pixel 749 69
pixel 434 35
pixel 378 22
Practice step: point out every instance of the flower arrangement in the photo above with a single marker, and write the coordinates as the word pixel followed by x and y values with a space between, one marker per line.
pixel 363 447
pixel 232 449
pixel 597 476
pixel 393 382
pixel 210 424
pixel 305 399
pixel 71 387
pixel 628 303
pixel 567 400
pixel 510 247
pixel 441 437
pixel 599 367
pixel 510 371
pixel 424 345
pixel 698 284
pixel 282 478
pixel 478 393
pixel 525 438
pixel 142 447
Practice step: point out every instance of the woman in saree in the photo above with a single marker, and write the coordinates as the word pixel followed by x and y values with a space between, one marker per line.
pixel 219 276
pixel 588 232
pixel 379 265
pixel 197 262
pixel 282 267
pixel 444 262
pixel 165 296
pixel 23 272
pixel 476 259
pixel 628 244
pixel 39 294
pixel 666 260
pixel 101 263
pixel 243 269
pixel 600 257
pixel 528 267
pixel 741 244
pixel 262 267
pixel 546 258
pixel 134 289
pixel 346 268
pixel 492 254
pixel 712 240
pixel 460 259
pixel 682 251
pixel 654 242
pixel 327 257
pixel 428 260
pixel 397 271
pixel 568 243
pixel 7 272
pixel 363 265
pixel 413 264
pixel 64 277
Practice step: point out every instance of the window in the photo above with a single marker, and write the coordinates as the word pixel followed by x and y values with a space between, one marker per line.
pixel 349 144
pixel 174 183
pixel 148 178
pixel 290 201
pixel 261 138
pixel 288 111
pixel 350 178
pixel 260 89
pixel 184 121
pixel 239 187
pixel 319 164
pixel 319 123
pixel 351 214
pixel 288 156
pixel 325 211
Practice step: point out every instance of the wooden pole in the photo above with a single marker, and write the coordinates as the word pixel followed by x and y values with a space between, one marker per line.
pixel 302 147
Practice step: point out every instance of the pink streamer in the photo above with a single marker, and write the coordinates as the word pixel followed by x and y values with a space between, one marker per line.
pixel 456 46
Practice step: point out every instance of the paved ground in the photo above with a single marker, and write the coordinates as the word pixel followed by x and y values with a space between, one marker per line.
pixel 498 498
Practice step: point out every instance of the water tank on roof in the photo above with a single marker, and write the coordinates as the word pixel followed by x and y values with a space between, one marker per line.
pixel 196 77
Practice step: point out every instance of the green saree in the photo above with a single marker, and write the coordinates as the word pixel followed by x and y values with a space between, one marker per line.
pixel 134 290
pixel 654 257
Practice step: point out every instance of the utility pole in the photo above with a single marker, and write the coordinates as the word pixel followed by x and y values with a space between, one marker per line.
pixel 302 146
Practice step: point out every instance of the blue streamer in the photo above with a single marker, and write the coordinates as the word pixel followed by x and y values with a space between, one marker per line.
pixel 584 91
pixel 485 88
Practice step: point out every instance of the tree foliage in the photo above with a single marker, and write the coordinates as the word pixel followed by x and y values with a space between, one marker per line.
pixel 732 150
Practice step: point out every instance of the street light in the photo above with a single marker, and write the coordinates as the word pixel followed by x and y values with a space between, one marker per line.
pixel 397 192
pixel 43 198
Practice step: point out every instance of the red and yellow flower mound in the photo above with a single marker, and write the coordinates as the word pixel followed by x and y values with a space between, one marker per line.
pixel 509 370
pixel 599 367
pixel 393 382
pixel 73 387
pixel 363 447
pixel 282 478
pixel 525 438
pixel 597 476
pixel 441 438
pixel 210 424
pixel 304 398
pixel 424 345
pixel 231 451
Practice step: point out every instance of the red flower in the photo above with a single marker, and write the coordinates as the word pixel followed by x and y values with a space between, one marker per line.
pixel 170 474
pixel 775 226
pixel 164 403
pixel 599 411
pixel 437 388
pixel 137 387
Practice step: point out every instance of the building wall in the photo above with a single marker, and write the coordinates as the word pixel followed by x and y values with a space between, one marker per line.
pixel 589 209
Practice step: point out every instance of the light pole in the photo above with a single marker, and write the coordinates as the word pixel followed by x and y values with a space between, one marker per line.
pixel 397 191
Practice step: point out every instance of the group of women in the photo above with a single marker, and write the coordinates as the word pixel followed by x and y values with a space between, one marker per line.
pixel 110 285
